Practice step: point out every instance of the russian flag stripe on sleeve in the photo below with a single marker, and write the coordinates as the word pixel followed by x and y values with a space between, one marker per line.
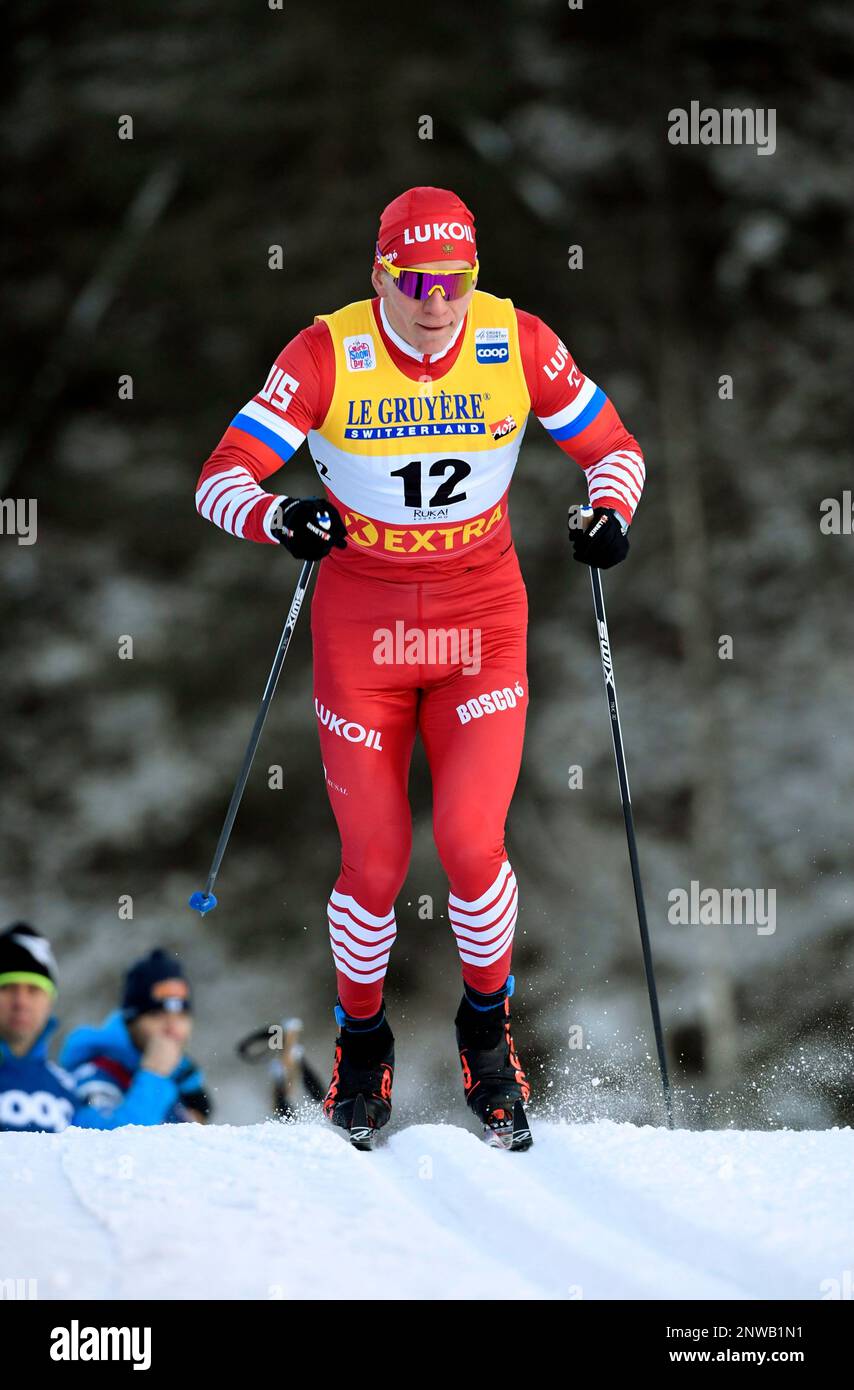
pixel 265 425
pixel 576 416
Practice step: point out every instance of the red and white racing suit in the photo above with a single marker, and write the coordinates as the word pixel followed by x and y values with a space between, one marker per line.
pixel 419 626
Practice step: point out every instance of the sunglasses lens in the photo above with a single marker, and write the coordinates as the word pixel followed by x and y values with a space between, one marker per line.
pixel 418 284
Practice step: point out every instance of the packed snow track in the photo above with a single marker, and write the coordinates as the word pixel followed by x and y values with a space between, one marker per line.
pixel 292 1211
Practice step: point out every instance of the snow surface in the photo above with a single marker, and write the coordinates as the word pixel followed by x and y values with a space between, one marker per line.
pixel 278 1210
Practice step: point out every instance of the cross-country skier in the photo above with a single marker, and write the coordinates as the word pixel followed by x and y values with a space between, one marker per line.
pixel 414 404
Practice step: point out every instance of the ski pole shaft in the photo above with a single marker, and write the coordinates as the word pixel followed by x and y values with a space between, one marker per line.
pixel 625 797
pixel 206 901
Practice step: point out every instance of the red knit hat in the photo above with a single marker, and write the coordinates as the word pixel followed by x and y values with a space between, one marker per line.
pixel 427 224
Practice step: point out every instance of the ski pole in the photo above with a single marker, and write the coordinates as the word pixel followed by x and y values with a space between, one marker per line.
pixel 203 902
pixel 625 796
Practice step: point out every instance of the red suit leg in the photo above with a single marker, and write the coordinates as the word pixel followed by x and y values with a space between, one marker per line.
pixel 473 727
pixel 367 715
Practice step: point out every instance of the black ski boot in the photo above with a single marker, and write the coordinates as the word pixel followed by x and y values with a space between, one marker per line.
pixel 495 1084
pixel 359 1095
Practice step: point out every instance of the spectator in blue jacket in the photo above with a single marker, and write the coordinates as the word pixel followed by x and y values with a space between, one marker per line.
pixel 138 1053
pixel 35 1093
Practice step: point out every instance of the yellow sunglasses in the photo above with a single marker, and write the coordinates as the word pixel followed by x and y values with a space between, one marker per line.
pixel 420 284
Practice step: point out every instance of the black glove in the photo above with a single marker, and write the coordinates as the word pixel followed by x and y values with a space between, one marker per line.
pixel 604 543
pixel 308 527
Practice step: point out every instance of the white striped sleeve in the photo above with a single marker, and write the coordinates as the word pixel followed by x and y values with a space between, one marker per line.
pixel 617 475
pixel 228 498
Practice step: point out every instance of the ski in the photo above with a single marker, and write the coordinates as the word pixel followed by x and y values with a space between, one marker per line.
pixel 508 1130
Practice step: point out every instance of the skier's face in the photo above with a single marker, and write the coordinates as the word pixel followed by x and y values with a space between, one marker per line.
pixel 24 1011
pixel 426 324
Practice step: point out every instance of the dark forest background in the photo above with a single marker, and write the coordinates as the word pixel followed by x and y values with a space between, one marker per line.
pixel 148 258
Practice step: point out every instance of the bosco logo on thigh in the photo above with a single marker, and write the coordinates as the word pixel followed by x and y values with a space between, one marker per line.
pixel 491 702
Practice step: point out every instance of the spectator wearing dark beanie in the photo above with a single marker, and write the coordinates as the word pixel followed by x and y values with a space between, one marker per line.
pixel 156 984
pixel 35 1094
pixel 145 1037
pixel 26 958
